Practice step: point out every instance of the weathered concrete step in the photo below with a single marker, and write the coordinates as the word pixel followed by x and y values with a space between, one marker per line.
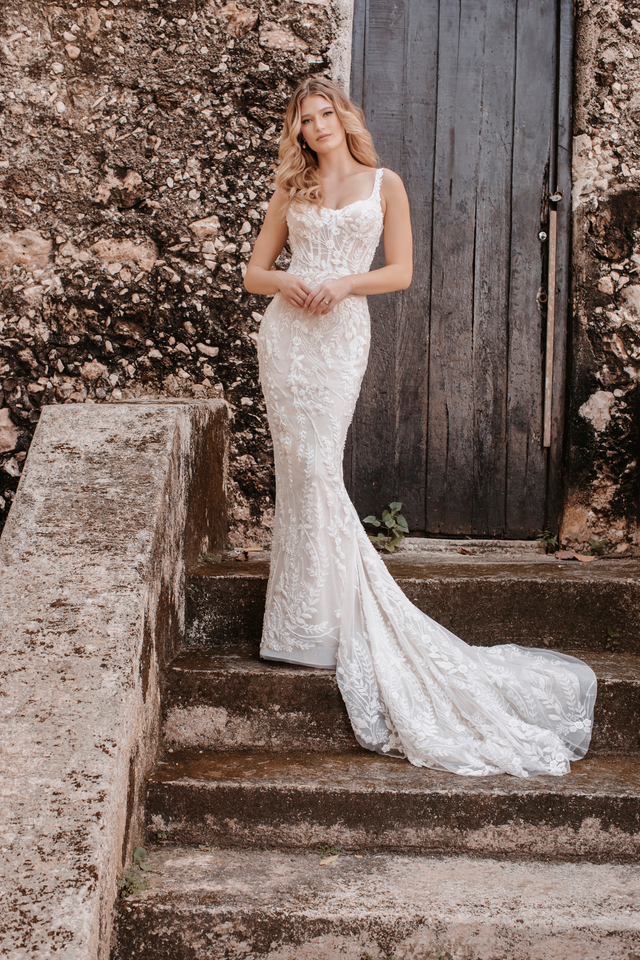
pixel 240 905
pixel 233 700
pixel 363 801
pixel 542 602
pixel 230 699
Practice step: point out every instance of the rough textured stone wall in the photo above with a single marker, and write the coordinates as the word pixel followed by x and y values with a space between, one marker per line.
pixel 136 156
pixel 602 493
pixel 137 143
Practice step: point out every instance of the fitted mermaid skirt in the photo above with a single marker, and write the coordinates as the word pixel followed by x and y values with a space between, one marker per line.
pixel 412 688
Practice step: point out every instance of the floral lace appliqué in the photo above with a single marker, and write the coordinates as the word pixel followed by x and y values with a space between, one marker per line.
pixel 411 687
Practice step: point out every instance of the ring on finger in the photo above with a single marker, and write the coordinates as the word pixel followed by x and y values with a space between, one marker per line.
pixel 326 301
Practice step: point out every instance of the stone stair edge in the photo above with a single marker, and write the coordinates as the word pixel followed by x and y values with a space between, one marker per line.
pixel 370 773
pixel 366 802
pixel 205 660
pixel 232 699
pixel 438 546
pixel 558 608
pixel 416 565
pixel 296 908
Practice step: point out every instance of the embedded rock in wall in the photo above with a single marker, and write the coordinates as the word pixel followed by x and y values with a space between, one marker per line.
pixel 8 432
pixel 25 248
pixel 602 489
pixel 137 146
pixel 597 409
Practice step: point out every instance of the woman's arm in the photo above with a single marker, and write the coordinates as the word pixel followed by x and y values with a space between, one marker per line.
pixel 260 277
pixel 398 252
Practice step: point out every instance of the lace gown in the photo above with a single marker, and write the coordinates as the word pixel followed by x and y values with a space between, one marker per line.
pixel 412 688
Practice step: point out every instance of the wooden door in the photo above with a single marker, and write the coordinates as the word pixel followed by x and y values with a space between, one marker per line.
pixel 469 101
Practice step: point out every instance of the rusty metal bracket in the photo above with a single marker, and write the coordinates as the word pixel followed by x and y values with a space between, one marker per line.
pixel 551 324
pixel 551 316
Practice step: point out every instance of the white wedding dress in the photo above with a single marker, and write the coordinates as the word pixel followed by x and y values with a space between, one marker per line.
pixel 412 688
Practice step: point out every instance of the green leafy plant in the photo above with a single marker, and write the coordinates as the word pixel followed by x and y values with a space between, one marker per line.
pixel 132 880
pixel 394 528
pixel 613 639
pixel 161 835
pixel 548 540
pixel 598 547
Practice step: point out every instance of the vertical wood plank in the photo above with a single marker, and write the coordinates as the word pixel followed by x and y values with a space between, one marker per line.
pixel 491 270
pixel 412 336
pixel 373 428
pixel 399 92
pixel 356 80
pixel 533 125
pixel 450 475
pixel 356 85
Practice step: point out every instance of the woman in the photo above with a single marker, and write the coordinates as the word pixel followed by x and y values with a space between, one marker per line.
pixel 412 688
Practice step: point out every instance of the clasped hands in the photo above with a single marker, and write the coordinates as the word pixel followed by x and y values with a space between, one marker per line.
pixel 317 300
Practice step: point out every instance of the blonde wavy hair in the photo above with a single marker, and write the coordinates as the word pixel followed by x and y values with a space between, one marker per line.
pixel 297 173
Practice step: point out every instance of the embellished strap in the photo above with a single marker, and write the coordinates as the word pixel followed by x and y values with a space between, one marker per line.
pixel 377 184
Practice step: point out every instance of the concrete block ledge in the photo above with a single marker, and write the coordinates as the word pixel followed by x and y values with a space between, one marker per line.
pixel 114 502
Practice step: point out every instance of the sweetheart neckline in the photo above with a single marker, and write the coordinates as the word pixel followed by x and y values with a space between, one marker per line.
pixel 353 202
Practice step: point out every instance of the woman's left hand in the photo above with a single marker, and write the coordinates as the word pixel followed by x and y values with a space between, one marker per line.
pixel 324 298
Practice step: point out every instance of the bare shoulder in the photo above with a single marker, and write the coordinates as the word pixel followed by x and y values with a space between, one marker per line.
pixel 392 185
pixel 278 199
pixel 393 194
pixel 275 214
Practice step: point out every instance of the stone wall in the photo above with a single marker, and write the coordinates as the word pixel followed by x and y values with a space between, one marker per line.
pixel 137 144
pixel 136 157
pixel 602 494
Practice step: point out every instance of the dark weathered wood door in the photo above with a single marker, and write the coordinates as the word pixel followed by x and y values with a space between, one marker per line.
pixel 469 101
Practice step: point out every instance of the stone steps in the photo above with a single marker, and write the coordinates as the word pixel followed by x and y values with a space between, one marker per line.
pixel 229 699
pixel 539 601
pixel 261 769
pixel 241 905
pixel 366 802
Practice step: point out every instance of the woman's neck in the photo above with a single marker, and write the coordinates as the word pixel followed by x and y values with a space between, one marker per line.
pixel 338 164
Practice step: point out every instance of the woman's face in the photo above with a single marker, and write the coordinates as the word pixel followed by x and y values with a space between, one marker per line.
pixel 320 124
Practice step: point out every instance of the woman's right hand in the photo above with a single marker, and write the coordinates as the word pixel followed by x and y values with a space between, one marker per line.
pixel 294 289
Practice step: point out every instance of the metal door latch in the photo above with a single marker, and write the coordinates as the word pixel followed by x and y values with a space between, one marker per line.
pixel 555 197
